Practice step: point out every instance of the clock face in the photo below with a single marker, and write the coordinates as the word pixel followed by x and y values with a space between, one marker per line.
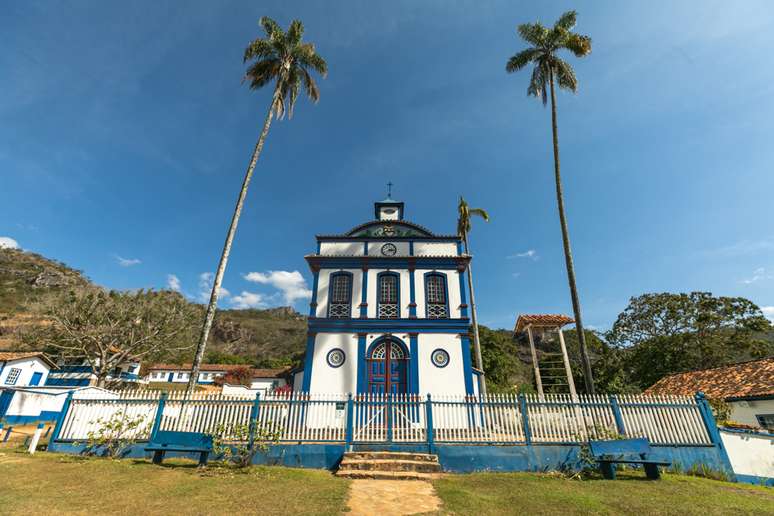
pixel 389 249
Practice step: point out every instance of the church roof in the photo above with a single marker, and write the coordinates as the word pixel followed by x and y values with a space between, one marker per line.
pixel 399 229
pixel 541 320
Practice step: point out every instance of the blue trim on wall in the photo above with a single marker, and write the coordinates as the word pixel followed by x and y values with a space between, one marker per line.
pixel 313 303
pixel 2 365
pixel 411 248
pixel 362 371
pixel 382 262
pixel 389 325
pixel 463 295
pixel 752 479
pixel 308 361
pixel 330 289
pixel 45 415
pixel 414 365
pixel 365 248
pixel 445 286
pixel 459 247
pixel 412 294
pixel 466 367
pixel 364 295
pixel 379 289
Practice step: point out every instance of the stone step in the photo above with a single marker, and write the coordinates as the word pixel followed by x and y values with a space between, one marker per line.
pixel 385 475
pixel 420 466
pixel 383 455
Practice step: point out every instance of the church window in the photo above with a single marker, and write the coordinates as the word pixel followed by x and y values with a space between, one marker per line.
pixel 389 307
pixel 436 296
pixel 340 306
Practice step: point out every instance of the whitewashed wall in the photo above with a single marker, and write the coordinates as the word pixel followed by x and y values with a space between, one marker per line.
pixel 435 249
pixel 327 379
pixel 32 401
pixel 323 282
pixel 341 248
pixel 375 248
pixel 745 411
pixel 453 284
pixel 28 366
pixel 447 380
pixel 750 454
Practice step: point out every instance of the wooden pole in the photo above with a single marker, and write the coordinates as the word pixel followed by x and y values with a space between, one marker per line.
pixel 535 366
pixel 567 367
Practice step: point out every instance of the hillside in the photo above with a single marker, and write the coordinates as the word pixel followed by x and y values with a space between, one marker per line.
pixel 28 281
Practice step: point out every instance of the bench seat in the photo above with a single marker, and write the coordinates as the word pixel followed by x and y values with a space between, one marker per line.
pixel 625 451
pixel 186 442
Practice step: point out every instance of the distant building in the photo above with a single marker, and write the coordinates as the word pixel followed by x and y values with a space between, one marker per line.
pixel 24 368
pixel 748 387
pixel 81 374
pixel 262 379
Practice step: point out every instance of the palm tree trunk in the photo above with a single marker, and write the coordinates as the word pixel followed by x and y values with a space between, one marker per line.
pixel 474 319
pixel 588 380
pixel 224 255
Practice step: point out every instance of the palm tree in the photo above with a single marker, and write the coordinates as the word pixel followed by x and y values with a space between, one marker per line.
pixel 550 68
pixel 463 228
pixel 286 60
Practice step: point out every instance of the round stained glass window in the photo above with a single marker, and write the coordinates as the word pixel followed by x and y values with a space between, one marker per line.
pixel 440 358
pixel 336 357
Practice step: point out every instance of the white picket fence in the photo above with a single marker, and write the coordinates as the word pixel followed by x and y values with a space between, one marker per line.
pixel 405 418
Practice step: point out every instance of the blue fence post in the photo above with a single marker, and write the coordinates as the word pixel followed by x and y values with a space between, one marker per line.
pixel 61 417
pixel 619 422
pixel 429 421
pixel 525 418
pixel 254 412
pixel 709 420
pixel 159 414
pixel 7 434
pixel 350 421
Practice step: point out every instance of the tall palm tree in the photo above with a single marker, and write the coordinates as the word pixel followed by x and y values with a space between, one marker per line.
pixel 463 228
pixel 549 68
pixel 286 60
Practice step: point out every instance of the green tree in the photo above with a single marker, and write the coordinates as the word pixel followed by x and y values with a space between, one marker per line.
pixel 286 60
pixel 548 69
pixel 463 228
pixel 504 368
pixel 665 333
pixel 108 329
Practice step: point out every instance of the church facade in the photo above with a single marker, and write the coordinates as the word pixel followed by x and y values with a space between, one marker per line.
pixel 389 311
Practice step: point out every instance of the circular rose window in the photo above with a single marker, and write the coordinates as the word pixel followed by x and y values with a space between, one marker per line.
pixel 440 358
pixel 336 357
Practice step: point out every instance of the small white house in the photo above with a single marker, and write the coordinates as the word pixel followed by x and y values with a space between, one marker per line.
pixel 747 387
pixel 261 380
pixel 80 374
pixel 24 368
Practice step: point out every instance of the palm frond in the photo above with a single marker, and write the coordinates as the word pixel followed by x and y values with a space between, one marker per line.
pixel 295 32
pixel 261 73
pixel 533 33
pixel 522 59
pixel 310 86
pixel 257 49
pixel 271 27
pixel 480 212
pixel 578 44
pixel 306 55
pixel 537 84
pixel 565 75
pixel 566 21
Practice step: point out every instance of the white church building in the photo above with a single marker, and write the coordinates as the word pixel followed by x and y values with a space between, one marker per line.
pixel 389 311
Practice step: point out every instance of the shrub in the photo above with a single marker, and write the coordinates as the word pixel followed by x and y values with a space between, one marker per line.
pixel 231 441
pixel 116 434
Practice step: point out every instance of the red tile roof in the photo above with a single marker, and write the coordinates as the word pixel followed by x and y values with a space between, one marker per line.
pixel 541 320
pixel 750 379
pixel 8 356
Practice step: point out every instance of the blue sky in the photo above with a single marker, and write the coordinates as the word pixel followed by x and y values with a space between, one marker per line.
pixel 125 131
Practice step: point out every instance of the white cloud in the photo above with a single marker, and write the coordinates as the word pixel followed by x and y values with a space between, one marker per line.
pixel 127 262
pixel 248 300
pixel 206 281
pixel 768 311
pixel 292 284
pixel 758 274
pixel 173 282
pixel 8 243
pixel 530 253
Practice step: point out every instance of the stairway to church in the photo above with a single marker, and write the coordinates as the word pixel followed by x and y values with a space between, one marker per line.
pixel 381 465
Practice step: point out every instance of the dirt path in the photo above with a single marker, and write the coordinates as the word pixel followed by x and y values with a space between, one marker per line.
pixel 392 497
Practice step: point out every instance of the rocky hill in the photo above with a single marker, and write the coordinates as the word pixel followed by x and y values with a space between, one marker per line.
pixel 28 281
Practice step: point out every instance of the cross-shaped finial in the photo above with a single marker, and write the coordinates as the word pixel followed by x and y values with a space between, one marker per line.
pixel 389 190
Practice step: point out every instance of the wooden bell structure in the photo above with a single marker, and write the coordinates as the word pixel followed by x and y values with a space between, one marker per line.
pixel 552 371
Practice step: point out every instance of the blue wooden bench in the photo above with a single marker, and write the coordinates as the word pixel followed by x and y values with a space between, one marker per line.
pixel 192 442
pixel 625 451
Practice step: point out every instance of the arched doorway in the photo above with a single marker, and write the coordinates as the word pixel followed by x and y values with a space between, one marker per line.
pixel 387 361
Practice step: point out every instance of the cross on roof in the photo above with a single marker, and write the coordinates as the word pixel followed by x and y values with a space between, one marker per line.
pixel 389 190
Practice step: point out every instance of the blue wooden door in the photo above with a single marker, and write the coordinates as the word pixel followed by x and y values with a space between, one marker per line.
pixel 5 402
pixel 171 377
pixel 388 369
pixel 35 380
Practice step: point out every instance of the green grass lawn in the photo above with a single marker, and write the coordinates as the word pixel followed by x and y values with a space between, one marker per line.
pixel 52 483
pixel 524 493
